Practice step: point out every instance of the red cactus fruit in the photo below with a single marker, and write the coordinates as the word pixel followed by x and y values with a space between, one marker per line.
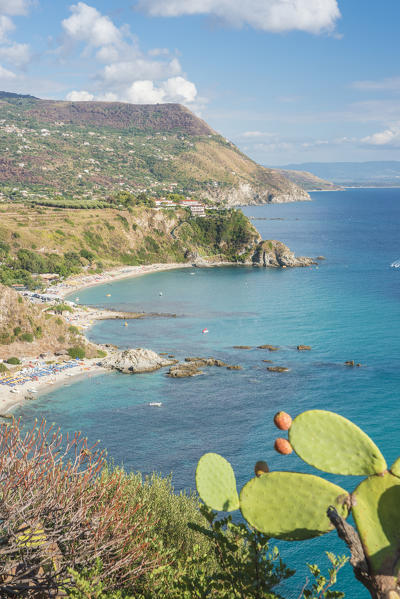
pixel 283 446
pixel 261 468
pixel 283 421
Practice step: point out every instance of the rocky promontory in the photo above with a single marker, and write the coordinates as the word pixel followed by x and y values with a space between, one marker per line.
pixel 133 361
pixel 275 254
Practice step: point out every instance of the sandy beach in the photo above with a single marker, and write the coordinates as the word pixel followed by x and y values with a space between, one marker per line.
pixel 123 272
pixel 10 397
pixel 83 317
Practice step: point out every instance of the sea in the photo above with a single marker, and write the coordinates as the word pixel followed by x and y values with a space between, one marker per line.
pixel 346 308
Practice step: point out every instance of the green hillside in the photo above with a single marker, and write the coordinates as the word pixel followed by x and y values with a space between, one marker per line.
pixel 86 150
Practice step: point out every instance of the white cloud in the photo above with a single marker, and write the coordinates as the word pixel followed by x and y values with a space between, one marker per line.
pixel 88 25
pixel 127 73
pixel 387 84
pixel 388 137
pixel 79 96
pixel 139 69
pixel 14 7
pixel 144 92
pixel 6 25
pixel 178 89
pixel 6 74
pixel 174 89
pixel 313 16
pixel 16 54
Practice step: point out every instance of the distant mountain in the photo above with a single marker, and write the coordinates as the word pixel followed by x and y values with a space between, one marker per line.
pixel 90 149
pixel 362 174
pixel 308 181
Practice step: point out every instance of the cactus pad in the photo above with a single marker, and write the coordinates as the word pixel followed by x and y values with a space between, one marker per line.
pixel 376 513
pixel 395 468
pixel 333 444
pixel 216 483
pixel 290 505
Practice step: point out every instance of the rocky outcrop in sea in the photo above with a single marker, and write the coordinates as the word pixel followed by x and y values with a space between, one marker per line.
pixel 133 361
pixel 275 254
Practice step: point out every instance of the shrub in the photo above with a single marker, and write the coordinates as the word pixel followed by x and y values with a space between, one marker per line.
pixel 61 339
pixel 59 321
pixel 60 513
pixel 101 353
pixel 73 330
pixel 77 352
pixel 13 360
pixel 60 308
pixel 3 367
pixel 28 337
pixel 17 331
pixel 20 300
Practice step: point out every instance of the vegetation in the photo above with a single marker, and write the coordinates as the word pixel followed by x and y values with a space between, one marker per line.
pixel 71 524
pixel 77 352
pixel 278 503
pixel 13 360
pixel 65 154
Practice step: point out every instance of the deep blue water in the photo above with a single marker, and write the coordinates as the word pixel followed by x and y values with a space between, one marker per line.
pixel 347 308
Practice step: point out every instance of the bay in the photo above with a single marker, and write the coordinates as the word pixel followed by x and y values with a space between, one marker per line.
pixel 346 308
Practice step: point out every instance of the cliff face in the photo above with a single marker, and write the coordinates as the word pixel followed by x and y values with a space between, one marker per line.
pixel 275 254
pixel 91 149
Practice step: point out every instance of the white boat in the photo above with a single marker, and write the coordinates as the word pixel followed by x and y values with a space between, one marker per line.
pixel 157 404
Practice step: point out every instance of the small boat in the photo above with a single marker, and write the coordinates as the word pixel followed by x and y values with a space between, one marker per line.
pixel 125 324
pixel 157 404
pixel 108 295
pixel 204 331
pixel 77 299
pixel 160 293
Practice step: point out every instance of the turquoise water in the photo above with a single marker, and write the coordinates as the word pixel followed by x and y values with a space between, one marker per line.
pixel 347 308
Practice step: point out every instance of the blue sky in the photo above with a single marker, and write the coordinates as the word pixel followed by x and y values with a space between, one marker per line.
pixel 286 80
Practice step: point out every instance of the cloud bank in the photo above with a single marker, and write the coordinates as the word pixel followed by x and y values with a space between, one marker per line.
pixel 125 72
pixel 312 16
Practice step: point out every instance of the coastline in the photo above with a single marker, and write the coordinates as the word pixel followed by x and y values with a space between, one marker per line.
pixel 9 400
pixel 115 274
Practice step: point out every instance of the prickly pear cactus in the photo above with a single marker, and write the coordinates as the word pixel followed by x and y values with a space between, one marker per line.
pixel 290 505
pixel 376 512
pixel 216 483
pixel 333 444
pixel 293 506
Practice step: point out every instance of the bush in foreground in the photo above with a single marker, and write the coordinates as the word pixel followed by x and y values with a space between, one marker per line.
pixel 58 512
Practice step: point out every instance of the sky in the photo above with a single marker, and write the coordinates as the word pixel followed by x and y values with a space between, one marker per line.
pixel 288 81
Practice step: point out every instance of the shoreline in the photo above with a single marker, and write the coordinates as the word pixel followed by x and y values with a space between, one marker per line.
pixel 118 273
pixel 9 400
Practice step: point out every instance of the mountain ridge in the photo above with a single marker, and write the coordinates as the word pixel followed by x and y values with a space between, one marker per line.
pixel 90 149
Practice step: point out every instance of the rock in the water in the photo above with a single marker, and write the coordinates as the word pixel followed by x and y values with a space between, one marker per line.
pixel 183 370
pixel 275 254
pixel 269 347
pixel 268 361
pixel 242 347
pixel 133 361
pixel 320 258
pixel 349 363
pixel 278 369
pixel 304 347
pixel 234 367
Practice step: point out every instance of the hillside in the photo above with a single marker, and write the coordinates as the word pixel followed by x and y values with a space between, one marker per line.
pixel 90 149
pixel 378 173
pixel 28 330
pixel 36 240
pixel 308 181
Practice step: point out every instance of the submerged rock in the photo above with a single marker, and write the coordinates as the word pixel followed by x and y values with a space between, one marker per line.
pixel 278 369
pixel 132 361
pixel 234 367
pixel 269 347
pixel 242 347
pixel 304 347
pixel 349 363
